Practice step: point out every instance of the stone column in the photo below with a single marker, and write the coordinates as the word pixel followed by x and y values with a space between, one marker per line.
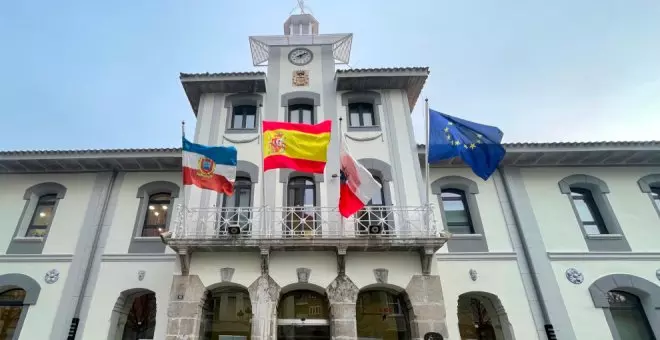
pixel 184 312
pixel 342 296
pixel 428 306
pixel 264 295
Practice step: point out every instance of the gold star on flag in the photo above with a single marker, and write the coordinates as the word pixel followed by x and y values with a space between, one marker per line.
pixel 473 146
pixel 450 123
pixel 465 146
pixel 446 129
pixel 478 135
pixel 457 143
pixel 448 137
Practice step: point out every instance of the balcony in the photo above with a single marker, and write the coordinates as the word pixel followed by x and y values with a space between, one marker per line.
pixel 375 228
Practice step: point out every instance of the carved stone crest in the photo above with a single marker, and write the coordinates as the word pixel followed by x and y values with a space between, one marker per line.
pixel 141 274
pixel 473 274
pixel 381 275
pixel 574 276
pixel 300 78
pixel 226 274
pixel 303 274
pixel 52 276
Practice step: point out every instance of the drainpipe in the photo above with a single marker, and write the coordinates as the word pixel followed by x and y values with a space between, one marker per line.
pixel 549 330
pixel 73 329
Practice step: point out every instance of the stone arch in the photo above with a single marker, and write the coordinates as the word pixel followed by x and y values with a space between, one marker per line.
pixel 596 185
pixel 371 97
pixel 45 189
pixel 383 169
pixel 647 181
pixel 122 309
pixel 402 312
pixel 646 291
pixel 242 99
pixel 219 316
pixel 454 182
pixel 153 187
pixel 247 169
pixel 302 286
pixel 300 97
pixel 28 284
pixel 498 318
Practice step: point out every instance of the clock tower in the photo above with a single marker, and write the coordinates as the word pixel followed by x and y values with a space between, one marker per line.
pixel 301 87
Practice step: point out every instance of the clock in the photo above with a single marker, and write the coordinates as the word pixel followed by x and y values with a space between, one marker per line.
pixel 300 56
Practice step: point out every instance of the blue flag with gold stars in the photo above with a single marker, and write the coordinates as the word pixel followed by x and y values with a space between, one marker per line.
pixel 479 146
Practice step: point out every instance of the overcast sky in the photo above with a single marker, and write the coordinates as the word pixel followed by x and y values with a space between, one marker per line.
pixel 104 74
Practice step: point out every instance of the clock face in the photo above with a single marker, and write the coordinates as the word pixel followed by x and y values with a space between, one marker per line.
pixel 300 56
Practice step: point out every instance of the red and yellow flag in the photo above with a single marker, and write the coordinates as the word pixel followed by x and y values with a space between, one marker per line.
pixel 301 147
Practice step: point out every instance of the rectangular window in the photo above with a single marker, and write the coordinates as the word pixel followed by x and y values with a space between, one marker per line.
pixel 155 218
pixel 301 113
pixel 456 212
pixel 42 217
pixel 587 212
pixel 244 117
pixel 361 115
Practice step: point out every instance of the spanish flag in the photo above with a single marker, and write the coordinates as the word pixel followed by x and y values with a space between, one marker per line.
pixel 301 147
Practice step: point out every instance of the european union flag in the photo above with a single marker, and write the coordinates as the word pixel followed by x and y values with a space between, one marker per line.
pixel 478 145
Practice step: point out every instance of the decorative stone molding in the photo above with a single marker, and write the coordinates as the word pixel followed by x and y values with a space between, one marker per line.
pixel 52 276
pixel 241 141
pixel 380 274
pixel 141 274
pixel 426 257
pixel 473 274
pixel 226 274
pixel 574 276
pixel 364 139
pixel 303 274
pixel 341 260
pixel 265 260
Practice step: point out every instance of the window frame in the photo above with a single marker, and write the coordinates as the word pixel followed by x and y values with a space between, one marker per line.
pixel 239 183
pixel 476 242
pixel 587 197
pixel 372 98
pixel 462 197
pixel 151 244
pixel 244 114
pixel 299 109
pixel 238 100
pixel 151 200
pixel 304 186
pixel 361 106
pixel 41 202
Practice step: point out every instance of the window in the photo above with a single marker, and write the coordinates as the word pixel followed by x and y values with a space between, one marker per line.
pixel 11 307
pixel 381 315
pixel 628 315
pixel 42 217
pixel 379 199
pixel 361 115
pixel 236 208
pixel 301 217
pixel 156 216
pixel 301 113
pixel 244 117
pixel 587 211
pixel 457 214
pixel 655 195
pixel 141 319
pixel 375 217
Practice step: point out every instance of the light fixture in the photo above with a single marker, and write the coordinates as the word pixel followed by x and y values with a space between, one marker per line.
pixel 164 207
pixel 156 213
pixel 42 214
pixel 151 207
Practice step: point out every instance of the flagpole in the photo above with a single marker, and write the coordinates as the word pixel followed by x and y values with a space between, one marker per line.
pixel 183 194
pixel 426 153
pixel 263 175
pixel 341 142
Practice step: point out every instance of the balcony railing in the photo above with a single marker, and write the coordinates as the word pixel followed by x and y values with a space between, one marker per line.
pixel 303 223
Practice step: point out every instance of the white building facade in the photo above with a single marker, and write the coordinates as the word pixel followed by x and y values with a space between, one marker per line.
pixel 560 243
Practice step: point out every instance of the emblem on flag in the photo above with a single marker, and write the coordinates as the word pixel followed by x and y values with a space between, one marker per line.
pixel 277 143
pixel 205 167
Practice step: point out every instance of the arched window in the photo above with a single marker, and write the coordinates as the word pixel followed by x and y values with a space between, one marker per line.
pixel 361 115
pixel 456 211
pixel 301 216
pixel 156 215
pixel 629 317
pixel 227 314
pixel 482 317
pixel 587 211
pixel 301 113
pixel 141 319
pixel 382 315
pixel 42 216
pixel 11 308
pixel 244 117
pixel 303 314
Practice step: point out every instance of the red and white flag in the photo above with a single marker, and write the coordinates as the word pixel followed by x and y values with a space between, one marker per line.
pixel 357 185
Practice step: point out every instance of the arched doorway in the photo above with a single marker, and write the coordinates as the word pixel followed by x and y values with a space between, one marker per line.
pixel 134 315
pixel 628 316
pixel 303 315
pixel 382 314
pixel 482 317
pixel 227 314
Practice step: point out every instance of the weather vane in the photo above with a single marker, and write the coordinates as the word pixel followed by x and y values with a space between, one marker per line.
pixel 301 5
